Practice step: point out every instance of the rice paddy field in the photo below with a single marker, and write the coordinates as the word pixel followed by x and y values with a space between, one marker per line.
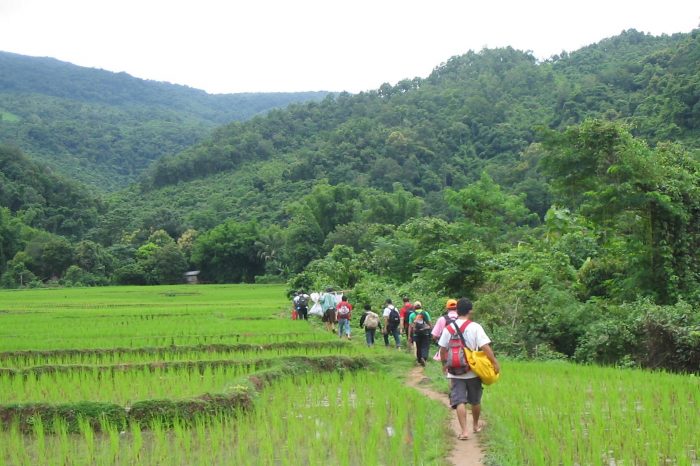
pixel 220 375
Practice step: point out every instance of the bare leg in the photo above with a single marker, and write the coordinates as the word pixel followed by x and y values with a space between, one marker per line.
pixel 462 418
pixel 476 412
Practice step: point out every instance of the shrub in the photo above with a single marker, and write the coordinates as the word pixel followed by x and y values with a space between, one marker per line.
pixel 130 274
pixel 647 335
pixel 669 338
pixel 75 276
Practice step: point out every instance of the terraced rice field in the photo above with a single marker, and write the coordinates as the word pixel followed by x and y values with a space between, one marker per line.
pixel 195 375
pixel 219 375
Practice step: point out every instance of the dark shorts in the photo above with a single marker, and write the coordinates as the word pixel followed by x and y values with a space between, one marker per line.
pixel 329 315
pixel 465 391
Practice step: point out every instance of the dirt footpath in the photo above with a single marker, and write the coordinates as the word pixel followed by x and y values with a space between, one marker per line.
pixel 464 452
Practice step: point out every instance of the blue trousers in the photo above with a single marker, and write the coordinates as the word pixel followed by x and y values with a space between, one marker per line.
pixel 369 336
pixel 343 327
pixel 397 336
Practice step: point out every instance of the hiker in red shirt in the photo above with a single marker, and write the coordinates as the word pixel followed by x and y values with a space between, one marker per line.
pixel 343 313
pixel 405 313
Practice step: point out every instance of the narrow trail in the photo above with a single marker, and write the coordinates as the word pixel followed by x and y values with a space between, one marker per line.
pixel 464 452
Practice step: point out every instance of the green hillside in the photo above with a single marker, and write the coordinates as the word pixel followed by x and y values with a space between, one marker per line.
pixel 480 111
pixel 47 202
pixel 103 128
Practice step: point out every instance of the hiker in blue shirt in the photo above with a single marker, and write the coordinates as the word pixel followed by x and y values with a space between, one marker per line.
pixel 328 305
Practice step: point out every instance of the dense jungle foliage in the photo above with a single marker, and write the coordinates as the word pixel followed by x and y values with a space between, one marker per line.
pixel 561 196
pixel 103 128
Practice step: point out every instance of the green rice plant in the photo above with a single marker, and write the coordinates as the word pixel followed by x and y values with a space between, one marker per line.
pixel 139 316
pixel 351 407
pixel 336 418
pixel 39 436
pixel 88 437
pixel 87 335
pixel 121 387
pixel 256 299
pixel 60 429
pixel 560 413
pixel 45 359
pixel 110 331
pixel 184 444
pixel 136 443
pixel 17 451
pixel 113 433
pixel 159 442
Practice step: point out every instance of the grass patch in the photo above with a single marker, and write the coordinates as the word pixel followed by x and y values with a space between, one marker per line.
pixel 7 117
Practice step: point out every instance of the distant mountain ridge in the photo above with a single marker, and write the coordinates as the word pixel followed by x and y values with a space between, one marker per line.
pixel 105 128
pixel 477 111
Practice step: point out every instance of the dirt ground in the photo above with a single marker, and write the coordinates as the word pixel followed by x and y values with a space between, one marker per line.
pixel 464 452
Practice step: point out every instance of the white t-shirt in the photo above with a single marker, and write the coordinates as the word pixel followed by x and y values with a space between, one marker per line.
pixel 474 337
pixel 299 296
pixel 387 310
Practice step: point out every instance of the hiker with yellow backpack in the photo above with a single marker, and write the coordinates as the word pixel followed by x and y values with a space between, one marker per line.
pixel 465 384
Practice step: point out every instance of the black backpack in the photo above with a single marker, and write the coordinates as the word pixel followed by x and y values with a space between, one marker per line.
pixel 394 318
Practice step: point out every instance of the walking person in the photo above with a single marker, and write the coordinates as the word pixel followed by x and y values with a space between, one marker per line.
pixel 295 300
pixel 447 316
pixel 405 313
pixel 342 316
pixel 370 322
pixel 392 322
pixel 419 327
pixel 465 386
pixel 301 304
pixel 328 305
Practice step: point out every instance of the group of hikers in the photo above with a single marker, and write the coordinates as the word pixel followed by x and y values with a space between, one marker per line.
pixel 452 331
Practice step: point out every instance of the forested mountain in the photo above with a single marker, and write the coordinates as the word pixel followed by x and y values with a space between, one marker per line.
pixel 104 128
pixel 47 202
pixel 480 111
pixel 562 196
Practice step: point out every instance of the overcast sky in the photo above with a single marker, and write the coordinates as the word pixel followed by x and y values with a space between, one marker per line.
pixel 226 46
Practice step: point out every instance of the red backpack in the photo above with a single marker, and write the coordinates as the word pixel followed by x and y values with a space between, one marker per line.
pixel 456 359
pixel 343 310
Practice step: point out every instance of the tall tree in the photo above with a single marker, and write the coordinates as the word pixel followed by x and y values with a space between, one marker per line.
pixel 648 201
pixel 228 253
pixel 9 237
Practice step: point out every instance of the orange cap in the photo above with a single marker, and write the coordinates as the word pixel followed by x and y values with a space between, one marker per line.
pixel 451 304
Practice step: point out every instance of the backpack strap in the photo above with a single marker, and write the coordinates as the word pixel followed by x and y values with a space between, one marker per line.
pixel 452 328
pixel 460 330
